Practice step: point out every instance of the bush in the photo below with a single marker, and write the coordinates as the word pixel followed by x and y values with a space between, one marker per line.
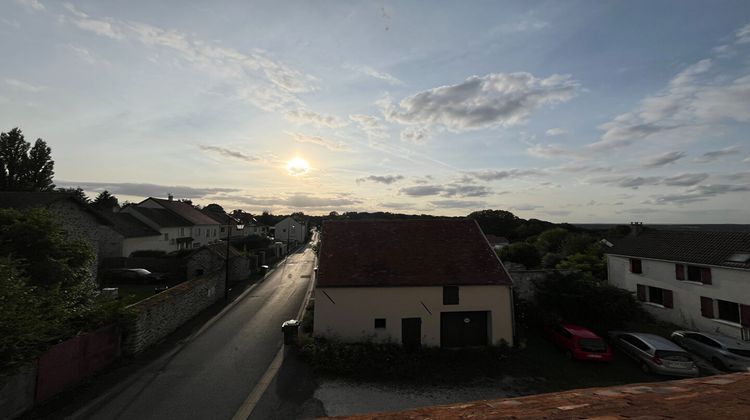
pixel 521 253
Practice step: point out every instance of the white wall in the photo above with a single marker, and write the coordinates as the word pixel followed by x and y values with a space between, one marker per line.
pixel 284 229
pixel 353 315
pixel 727 284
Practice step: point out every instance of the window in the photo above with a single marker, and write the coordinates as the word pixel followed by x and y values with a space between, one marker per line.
pixel 166 236
pixel 222 229
pixel 636 266
pixel 728 311
pixel 182 231
pixel 450 295
pixel 655 295
pixel 379 322
pixel 694 273
pixel 198 232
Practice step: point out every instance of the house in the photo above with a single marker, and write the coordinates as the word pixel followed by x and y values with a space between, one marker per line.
pixel 290 230
pixel 181 225
pixel 131 235
pixel 212 258
pixel 77 219
pixel 497 242
pixel 416 282
pixel 225 219
pixel 696 279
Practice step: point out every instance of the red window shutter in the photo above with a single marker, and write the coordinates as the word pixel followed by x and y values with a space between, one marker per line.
pixel 668 299
pixel 707 307
pixel 745 315
pixel 679 271
pixel 706 275
pixel 632 265
pixel 641 293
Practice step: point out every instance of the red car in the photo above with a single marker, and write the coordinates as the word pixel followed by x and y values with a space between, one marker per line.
pixel 579 343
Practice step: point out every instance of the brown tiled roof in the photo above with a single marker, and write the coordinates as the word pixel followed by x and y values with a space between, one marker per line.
pixel 407 253
pixel 710 248
pixel 128 226
pixel 715 397
pixel 186 211
pixel 162 217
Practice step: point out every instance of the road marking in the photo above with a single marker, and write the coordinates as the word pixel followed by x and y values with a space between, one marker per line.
pixel 260 388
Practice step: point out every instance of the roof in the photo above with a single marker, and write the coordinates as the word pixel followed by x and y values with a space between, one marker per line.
pixel 128 225
pixel 186 211
pixel 407 253
pixel 497 240
pixel 43 199
pixel 715 397
pixel 220 248
pixel 162 217
pixel 709 248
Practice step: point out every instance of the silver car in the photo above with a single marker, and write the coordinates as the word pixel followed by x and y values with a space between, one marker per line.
pixel 724 352
pixel 655 354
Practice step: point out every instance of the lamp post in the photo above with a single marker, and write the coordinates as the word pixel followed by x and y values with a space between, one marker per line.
pixel 226 278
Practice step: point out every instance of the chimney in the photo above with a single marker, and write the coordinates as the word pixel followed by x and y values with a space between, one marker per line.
pixel 170 197
pixel 636 228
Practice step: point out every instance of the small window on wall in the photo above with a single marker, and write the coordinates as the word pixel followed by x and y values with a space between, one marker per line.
pixel 379 322
pixel 450 295
pixel 728 311
pixel 694 273
pixel 636 266
pixel 655 295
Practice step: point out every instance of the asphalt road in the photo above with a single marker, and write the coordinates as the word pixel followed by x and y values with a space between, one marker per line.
pixel 213 373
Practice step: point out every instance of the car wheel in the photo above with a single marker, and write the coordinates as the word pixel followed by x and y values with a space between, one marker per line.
pixel 645 368
pixel 718 363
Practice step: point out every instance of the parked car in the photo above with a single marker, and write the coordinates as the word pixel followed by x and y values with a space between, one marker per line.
pixel 724 352
pixel 579 343
pixel 655 354
pixel 131 276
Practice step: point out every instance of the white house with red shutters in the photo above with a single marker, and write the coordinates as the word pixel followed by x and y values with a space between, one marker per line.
pixel 696 279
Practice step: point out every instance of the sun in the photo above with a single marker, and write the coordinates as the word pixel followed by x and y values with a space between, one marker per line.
pixel 297 167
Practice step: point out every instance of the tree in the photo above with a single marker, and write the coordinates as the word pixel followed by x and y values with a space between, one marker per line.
pixel 105 202
pixel 551 240
pixel 77 192
pixel 522 253
pixel 496 222
pixel 22 167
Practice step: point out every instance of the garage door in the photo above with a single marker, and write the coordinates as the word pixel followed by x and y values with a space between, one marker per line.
pixel 460 329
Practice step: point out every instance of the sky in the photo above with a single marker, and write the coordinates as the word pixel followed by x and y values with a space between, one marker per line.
pixel 574 111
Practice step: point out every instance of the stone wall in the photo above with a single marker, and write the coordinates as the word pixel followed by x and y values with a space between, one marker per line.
pixel 17 392
pixel 79 224
pixel 161 314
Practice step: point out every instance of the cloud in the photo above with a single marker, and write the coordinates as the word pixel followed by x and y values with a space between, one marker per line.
pixel 300 201
pixel 145 190
pixel 12 23
pixel 328 144
pixel 555 132
pixel 372 126
pixel 85 55
pixel 665 159
pixel 32 5
pixel 396 205
pixel 691 100
pixel 523 25
pixel 557 212
pixel 628 181
pixel 229 153
pixel 581 167
pixel 416 135
pixel 383 179
pixel 306 116
pixel 497 99
pixel 715 155
pixel 700 193
pixel 371 72
pixel 449 190
pixel 525 207
pixel 495 175
pixel 458 204
pixel 746 160
pixel 743 35
pixel 23 86
pixel 685 180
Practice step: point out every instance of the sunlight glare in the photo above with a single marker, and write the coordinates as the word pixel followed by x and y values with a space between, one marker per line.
pixel 297 167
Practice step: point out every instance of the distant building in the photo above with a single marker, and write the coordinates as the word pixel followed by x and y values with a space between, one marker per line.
pixel 290 230
pixel 699 280
pixel 415 282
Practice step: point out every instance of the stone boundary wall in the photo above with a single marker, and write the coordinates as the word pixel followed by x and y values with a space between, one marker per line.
pixel 161 314
pixel 524 281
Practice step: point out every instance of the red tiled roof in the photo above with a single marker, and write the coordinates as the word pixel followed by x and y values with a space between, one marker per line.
pixel 704 247
pixel 407 253
pixel 715 397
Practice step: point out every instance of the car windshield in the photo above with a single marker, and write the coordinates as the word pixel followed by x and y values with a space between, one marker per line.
pixel 592 344
pixel 740 352
pixel 673 356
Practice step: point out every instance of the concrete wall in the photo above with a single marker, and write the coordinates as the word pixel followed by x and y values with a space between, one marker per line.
pixel 17 392
pixel 351 317
pixel 732 285
pixel 161 314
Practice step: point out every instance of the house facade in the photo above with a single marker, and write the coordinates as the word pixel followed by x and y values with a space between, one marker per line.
pixel 698 280
pixel 414 282
pixel 203 229
pixel 290 230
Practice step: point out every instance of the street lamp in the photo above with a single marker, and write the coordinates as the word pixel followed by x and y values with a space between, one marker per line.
pixel 240 226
